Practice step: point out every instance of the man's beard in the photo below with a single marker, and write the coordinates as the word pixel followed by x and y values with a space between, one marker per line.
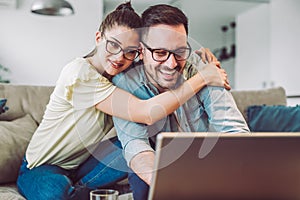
pixel 161 85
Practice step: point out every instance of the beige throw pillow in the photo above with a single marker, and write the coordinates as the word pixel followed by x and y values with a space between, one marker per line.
pixel 14 138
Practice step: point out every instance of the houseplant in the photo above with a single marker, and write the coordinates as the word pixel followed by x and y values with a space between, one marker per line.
pixel 3 73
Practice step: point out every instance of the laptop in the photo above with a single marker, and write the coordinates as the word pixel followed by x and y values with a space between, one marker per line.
pixel 213 166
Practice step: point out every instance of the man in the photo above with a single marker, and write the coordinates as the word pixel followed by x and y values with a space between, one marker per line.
pixel 164 51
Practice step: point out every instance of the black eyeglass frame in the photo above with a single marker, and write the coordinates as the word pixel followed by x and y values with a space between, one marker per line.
pixel 169 52
pixel 138 51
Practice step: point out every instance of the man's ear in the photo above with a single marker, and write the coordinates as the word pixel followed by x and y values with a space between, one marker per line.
pixel 98 37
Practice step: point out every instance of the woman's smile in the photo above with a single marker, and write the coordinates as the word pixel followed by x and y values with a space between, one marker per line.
pixel 116 65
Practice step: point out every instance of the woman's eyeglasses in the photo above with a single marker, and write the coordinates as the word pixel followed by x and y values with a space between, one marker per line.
pixel 162 55
pixel 114 48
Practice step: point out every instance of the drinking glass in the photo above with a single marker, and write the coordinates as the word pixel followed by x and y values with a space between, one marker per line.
pixel 104 194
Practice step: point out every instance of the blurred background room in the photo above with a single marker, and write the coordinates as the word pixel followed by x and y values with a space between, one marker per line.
pixel 256 40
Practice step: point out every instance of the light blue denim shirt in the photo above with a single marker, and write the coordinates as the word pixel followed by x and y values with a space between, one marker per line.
pixel 212 109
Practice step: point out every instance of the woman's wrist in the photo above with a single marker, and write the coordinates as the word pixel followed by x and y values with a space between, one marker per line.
pixel 199 82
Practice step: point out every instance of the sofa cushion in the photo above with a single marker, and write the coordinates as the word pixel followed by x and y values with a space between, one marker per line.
pixel 246 98
pixel 274 118
pixel 14 138
pixel 10 192
pixel 25 99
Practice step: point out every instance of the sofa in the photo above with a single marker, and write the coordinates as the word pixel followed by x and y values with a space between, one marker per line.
pixel 26 105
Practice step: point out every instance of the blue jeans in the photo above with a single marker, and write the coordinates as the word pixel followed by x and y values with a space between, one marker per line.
pixel 139 188
pixel 49 182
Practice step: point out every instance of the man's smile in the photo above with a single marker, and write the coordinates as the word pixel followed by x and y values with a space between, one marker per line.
pixel 168 74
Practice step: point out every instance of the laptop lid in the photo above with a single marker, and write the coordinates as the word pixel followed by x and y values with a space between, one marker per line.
pixel 212 166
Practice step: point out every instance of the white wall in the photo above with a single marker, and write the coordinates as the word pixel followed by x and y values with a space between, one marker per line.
pixel 206 17
pixel 268 39
pixel 252 68
pixel 285 37
pixel 35 47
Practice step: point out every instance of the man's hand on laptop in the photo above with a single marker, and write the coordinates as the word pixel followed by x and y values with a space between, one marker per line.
pixel 142 164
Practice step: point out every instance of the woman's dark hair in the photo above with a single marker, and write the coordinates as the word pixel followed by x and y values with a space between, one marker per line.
pixel 123 15
pixel 163 14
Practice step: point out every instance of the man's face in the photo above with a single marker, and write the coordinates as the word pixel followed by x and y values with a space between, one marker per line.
pixel 164 74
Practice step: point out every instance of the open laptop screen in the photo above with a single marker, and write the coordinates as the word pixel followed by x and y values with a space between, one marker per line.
pixel 229 166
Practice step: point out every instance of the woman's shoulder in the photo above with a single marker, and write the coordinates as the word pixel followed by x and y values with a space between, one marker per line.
pixel 80 74
pixel 79 69
pixel 79 66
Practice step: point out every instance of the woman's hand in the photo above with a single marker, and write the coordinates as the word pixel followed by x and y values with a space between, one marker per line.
pixel 207 56
pixel 214 76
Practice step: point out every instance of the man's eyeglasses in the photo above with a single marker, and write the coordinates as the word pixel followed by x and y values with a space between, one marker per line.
pixel 114 48
pixel 162 55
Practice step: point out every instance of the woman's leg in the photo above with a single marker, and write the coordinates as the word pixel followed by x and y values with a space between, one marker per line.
pixel 46 182
pixel 104 168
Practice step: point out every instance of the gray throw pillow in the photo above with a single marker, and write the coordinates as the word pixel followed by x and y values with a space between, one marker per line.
pixel 14 138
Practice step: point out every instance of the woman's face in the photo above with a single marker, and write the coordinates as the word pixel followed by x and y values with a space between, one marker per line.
pixel 117 48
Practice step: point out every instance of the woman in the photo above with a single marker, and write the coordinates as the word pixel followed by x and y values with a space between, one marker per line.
pixel 58 162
